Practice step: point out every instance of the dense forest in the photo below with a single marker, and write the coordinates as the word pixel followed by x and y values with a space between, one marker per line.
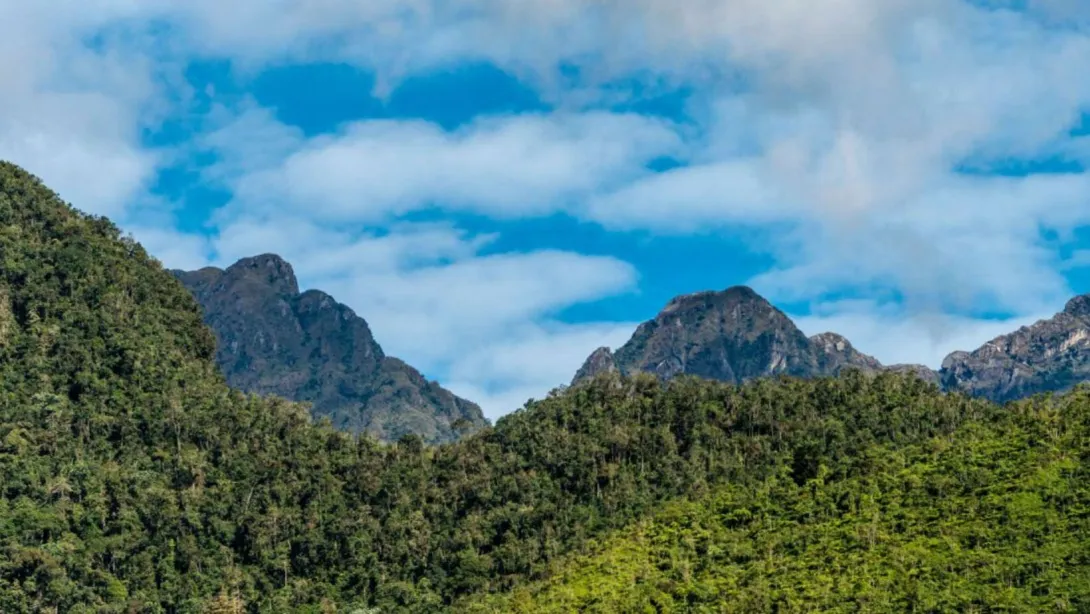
pixel 132 479
pixel 993 518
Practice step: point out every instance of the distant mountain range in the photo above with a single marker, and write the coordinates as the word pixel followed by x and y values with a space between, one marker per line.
pixel 272 339
pixel 736 335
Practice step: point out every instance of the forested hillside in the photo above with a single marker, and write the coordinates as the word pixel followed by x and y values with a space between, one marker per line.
pixel 994 518
pixel 132 479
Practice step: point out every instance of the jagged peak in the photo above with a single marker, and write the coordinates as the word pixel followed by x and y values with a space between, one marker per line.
pixel 206 270
pixel 1078 306
pixel 600 361
pixel 277 271
pixel 954 357
pixel 602 352
pixel 742 294
pixel 317 300
pixel 830 341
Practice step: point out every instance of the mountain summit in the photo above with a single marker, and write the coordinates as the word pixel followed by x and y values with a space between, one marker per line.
pixel 734 335
pixel 1050 356
pixel 308 347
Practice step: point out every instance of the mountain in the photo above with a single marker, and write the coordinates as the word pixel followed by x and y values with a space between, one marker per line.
pixel 736 335
pixel 733 336
pixel 1050 356
pixel 272 339
pixel 835 353
pixel 134 479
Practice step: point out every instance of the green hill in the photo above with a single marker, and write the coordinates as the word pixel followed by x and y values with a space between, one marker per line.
pixel 132 479
pixel 995 518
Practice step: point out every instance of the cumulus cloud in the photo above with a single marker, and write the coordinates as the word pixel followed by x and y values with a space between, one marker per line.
pixel 437 312
pixel 851 120
pixel 375 170
pixel 887 332
pixel 853 129
pixel 70 113
pixel 683 199
pixel 531 362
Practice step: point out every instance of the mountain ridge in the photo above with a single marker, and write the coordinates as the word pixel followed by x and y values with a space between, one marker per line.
pixel 305 346
pixel 1050 355
pixel 732 335
pixel 751 338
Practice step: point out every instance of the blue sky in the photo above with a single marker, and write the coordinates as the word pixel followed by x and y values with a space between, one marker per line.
pixel 499 192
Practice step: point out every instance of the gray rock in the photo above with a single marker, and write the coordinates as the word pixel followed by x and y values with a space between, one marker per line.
pixel 1052 355
pixel 274 340
pixel 600 361
pixel 733 336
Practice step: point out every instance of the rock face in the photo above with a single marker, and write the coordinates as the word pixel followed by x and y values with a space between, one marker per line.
pixel 274 340
pixel 1050 356
pixel 600 361
pixel 835 353
pixel 734 336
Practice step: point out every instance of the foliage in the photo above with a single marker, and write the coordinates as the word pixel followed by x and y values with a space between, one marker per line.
pixel 995 517
pixel 132 479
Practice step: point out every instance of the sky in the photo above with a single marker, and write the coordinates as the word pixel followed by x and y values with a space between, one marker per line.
pixel 500 187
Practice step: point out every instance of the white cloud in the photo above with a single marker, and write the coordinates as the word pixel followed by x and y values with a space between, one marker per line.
pixel 849 135
pixel 529 362
pixel 434 313
pixel 688 198
pixel 377 170
pixel 896 336
pixel 69 113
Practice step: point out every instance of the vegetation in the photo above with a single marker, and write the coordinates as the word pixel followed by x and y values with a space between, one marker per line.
pixel 993 518
pixel 132 479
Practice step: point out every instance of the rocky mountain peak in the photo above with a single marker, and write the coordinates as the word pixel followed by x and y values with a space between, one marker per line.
pixel 1050 355
pixel 739 297
pixel 954 358
pixel 600 361
pixel 269 269
pixel 1078 307
pixel 831 343
pixel 834 353
pixel 730 335
pixel 272 339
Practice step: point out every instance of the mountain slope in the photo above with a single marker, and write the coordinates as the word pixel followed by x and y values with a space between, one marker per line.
pixel 1050 356
pixel 272 339
pixel 133 479
pixel 733 336
pixel 123 455
pixel 736 335
pixel 982 520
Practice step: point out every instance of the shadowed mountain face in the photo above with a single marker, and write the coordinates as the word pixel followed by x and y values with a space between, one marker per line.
pixel 734 336
pixel 272 339
pixel 1050 356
